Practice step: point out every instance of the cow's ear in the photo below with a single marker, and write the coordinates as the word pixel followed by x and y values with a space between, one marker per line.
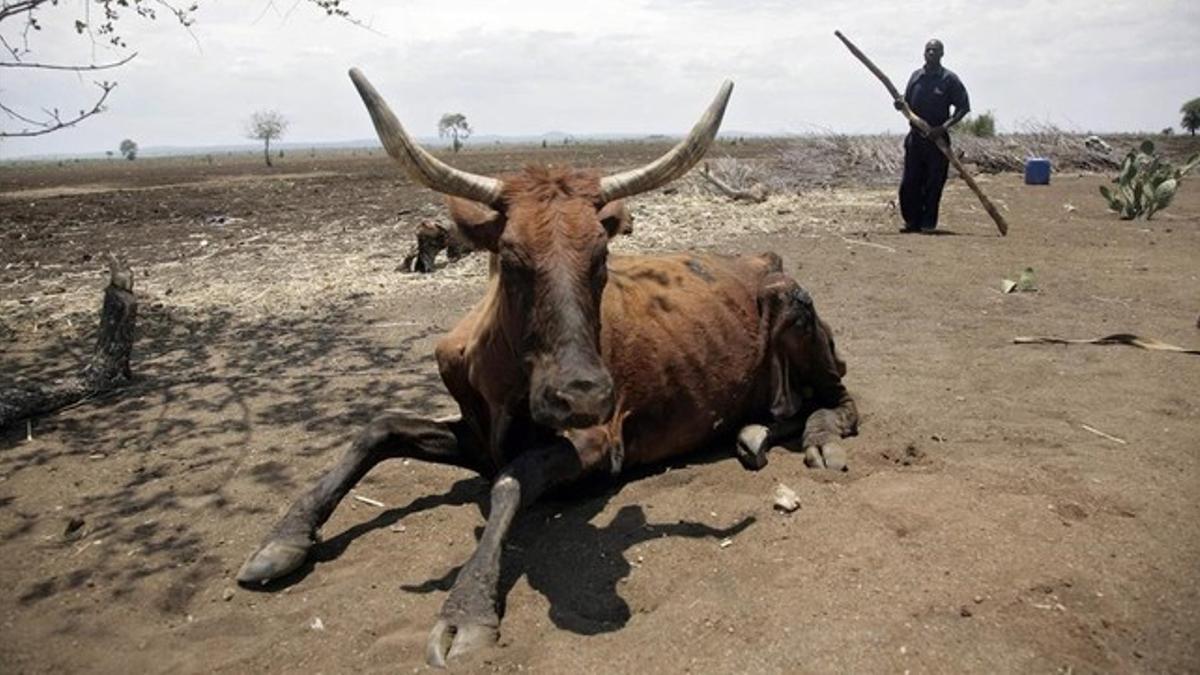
pixel 615 218
pixel 480 225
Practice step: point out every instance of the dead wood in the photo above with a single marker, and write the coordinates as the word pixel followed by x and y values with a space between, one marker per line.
pixel 756 194
pixel 107 368
pixel 1130 339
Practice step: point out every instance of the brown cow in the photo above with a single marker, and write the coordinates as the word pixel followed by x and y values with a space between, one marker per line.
pixel 575 363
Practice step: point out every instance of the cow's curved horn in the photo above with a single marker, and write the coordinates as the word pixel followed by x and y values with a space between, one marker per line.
pixel 422 166
pixel 678 159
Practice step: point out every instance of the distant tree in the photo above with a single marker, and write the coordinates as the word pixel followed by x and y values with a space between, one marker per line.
pixel 101 21
pixel 265 125
pixel 455 126
pixel 1191 115
pixel 129 149
pixel 108 153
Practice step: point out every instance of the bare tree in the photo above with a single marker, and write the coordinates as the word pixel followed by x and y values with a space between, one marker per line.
pixel 99 21
pixel 265 125
pixel 455 126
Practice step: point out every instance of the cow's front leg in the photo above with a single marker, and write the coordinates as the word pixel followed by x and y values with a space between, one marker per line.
pixel 469 618
pixel 287 545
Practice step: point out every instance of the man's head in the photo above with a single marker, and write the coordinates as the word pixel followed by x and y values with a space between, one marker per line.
pixel 933 53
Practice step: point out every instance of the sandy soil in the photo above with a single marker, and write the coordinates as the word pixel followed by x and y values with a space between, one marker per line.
pixel 982 527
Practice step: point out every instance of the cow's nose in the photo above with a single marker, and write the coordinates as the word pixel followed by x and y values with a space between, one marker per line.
pixel 582 391
pixel 580 402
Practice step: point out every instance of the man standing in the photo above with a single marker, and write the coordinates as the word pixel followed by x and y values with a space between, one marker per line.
pixel 930 93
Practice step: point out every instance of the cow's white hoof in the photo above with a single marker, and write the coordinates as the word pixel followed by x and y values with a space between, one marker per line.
pixel 752 446
pixel 274 559
pixel 450 640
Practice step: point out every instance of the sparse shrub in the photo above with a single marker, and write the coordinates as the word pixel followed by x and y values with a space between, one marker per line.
pixel 1191 115
pixel 1146 183
pixel 129 149
pixel 1168 131
pixel 982 125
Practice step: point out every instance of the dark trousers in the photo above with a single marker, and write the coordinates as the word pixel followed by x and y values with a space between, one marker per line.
pixel 925 169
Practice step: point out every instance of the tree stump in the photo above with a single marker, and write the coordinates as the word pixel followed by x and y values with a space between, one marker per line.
pixel 107 368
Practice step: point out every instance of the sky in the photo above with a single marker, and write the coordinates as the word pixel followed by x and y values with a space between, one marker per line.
pixel 605 66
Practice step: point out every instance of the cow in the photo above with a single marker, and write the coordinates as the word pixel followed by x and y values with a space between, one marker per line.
pixel 576 364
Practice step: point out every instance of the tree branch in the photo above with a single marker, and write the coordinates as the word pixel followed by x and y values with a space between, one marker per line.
pixel 19 7
pixel 52 66
pixel 54 123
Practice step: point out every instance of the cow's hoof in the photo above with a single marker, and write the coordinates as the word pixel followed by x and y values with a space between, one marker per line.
pixel 752 446
pixel 272 560
pixel 451 639
pixel 831 457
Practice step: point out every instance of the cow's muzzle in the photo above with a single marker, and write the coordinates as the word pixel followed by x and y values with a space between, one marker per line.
pixel 574 401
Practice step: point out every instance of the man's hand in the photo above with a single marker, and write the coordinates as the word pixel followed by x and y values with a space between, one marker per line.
pixel 937 132
pixel 898 104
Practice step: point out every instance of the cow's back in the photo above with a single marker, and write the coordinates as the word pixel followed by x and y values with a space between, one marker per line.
pixel 682 339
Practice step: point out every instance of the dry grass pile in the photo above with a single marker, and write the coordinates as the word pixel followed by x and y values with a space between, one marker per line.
pixel 838 159
pixel 1066 151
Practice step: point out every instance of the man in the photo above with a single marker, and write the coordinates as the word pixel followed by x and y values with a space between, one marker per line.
pixel 931 91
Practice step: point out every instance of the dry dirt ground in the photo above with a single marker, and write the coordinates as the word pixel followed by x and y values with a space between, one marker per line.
pixel 982 526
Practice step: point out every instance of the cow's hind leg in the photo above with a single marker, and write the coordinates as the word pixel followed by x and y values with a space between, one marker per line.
pixel 819 433
pixel 807 396
pixel 287 545
pixel 469 618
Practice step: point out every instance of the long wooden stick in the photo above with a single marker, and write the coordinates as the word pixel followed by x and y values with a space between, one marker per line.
pixel 924 128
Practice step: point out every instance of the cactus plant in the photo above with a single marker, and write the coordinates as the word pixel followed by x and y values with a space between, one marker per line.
pixel 1146 183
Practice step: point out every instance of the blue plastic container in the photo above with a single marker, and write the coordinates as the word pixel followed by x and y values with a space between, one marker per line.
pixel 1037 171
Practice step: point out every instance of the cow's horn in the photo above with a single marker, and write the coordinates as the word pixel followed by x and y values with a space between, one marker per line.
pixel 422 166
pixel 678 159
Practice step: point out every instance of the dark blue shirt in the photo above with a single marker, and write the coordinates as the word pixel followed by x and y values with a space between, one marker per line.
pixel 930 95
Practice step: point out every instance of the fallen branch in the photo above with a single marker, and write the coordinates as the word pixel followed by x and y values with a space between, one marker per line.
pixel 107 369
pixel 856 242
pixel 1115 339
pixel 372 502
pixel 756 194
pixel 924 128
pixel 1101 434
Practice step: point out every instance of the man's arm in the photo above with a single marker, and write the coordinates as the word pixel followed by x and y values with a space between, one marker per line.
pixel 961 104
